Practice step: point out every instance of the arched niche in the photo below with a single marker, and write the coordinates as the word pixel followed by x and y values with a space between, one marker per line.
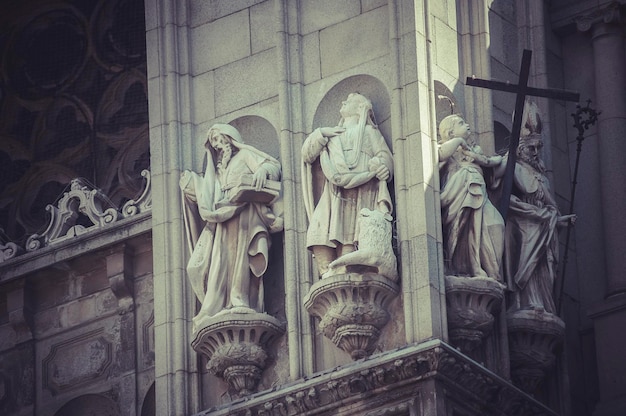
pixel 148 406
pixel 445 102
pixel 327 113
pixel 502 137
pixel 259 133
pixel 89 405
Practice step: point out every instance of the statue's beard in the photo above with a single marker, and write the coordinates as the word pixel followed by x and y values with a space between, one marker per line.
pixel 225 155
pixel 535 163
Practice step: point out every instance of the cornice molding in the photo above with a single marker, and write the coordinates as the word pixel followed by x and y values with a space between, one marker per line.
pixel 387 379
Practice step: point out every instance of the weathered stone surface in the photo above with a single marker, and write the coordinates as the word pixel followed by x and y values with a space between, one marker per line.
pixel 408 376
pixel 535 336
pixel 471 306
pixel 75 361
pixel 353 309
pixel 236 347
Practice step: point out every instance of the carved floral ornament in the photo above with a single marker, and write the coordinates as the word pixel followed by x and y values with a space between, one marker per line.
pixel 80 210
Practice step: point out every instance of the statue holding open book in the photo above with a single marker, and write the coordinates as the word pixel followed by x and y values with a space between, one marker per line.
pixel 229 215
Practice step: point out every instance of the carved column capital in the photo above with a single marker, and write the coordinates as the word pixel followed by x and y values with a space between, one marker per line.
pixel 600 17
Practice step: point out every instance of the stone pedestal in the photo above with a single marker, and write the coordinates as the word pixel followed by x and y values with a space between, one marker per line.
pixel 471 305
pixel 534 338
pixel 352 309
pixel 235 345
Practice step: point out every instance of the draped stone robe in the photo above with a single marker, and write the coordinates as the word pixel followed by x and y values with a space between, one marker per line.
pixel 230 243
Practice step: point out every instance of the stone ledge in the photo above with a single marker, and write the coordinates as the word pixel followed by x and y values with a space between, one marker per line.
pixel 114 233
pixel 406 375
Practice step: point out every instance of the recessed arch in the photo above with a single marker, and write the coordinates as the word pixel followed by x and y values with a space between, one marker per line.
pixel 327 112
pixel 89 405
pixel 445 102
pixel 259 133
pixel 148 406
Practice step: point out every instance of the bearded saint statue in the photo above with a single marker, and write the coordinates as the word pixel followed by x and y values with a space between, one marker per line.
pixel 229 234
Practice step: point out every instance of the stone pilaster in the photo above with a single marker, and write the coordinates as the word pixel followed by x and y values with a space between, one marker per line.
pixel 606 28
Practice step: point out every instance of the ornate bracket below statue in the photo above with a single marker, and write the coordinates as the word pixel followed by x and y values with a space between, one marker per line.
pixel 353 309
pixel 235 345
pixel 534 337
pixel 471 304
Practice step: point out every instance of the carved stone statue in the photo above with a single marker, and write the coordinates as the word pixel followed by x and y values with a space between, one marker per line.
pixel 356 164
pixel 531 232
pixel 228 218
pixel 473 228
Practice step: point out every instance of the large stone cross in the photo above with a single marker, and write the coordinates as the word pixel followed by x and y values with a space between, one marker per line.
pixel 521 89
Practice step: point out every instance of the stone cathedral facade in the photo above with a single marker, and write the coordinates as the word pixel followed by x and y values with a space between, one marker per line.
pixel 254 207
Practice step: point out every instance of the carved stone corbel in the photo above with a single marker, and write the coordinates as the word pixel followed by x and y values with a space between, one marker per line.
pixel 235 346
pixel 352 309
pixel 20 311
pixel 534 338
pixel 471 305
pixel 119 271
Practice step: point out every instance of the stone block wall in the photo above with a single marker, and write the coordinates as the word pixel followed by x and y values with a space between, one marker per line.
pixel 71 339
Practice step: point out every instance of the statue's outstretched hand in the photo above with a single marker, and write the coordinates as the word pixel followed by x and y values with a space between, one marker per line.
pixel 568 219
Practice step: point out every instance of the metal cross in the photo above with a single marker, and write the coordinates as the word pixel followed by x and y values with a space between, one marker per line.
pixel 521 89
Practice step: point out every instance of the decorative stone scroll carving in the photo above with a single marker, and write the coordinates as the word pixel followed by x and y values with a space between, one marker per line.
pixel 82 198
pixel 144 202
pixel 235 345
pixel 534 338
pixel 608 14
pixel 352 309
pixel 8 249
pixel 471 306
